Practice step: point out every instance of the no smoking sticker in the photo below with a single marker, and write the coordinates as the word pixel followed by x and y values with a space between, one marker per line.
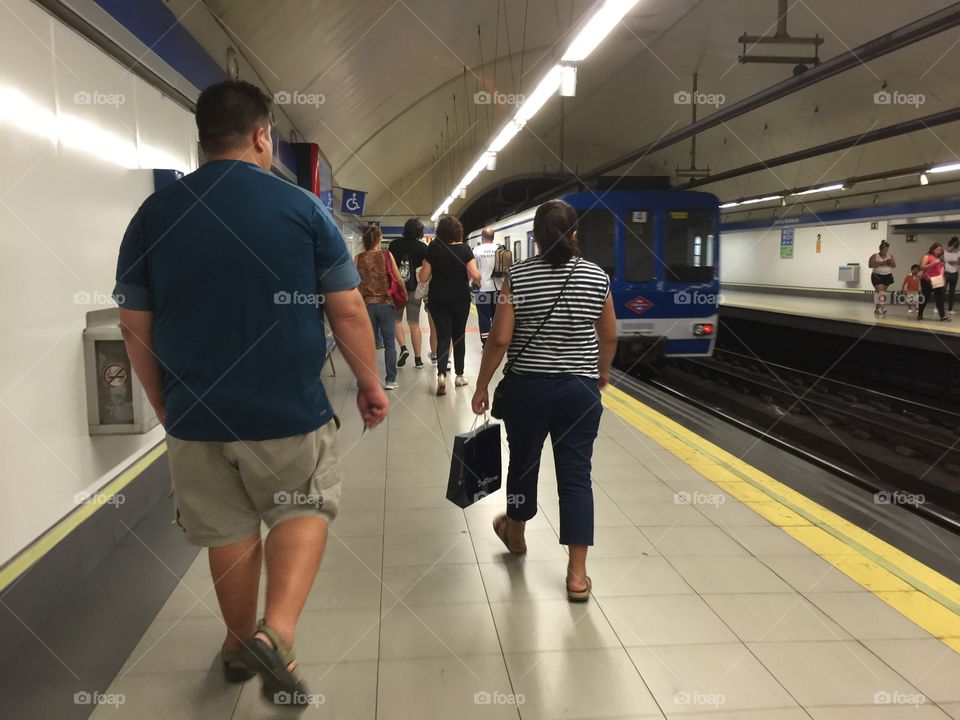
pixel 114 375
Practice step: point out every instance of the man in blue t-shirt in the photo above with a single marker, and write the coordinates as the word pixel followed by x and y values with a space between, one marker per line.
pixel 222 282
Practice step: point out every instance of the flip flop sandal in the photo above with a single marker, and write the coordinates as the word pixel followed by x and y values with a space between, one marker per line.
pixel 500 528
pixel 280 685
pixel 579 596
pixel 237 665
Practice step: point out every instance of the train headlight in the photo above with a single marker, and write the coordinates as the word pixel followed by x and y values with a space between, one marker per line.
pixel 703 329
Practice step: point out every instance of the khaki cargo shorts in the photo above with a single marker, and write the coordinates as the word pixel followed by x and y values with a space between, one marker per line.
pixel 224 490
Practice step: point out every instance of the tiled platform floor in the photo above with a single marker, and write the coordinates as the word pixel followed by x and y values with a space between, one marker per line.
pixel 418 612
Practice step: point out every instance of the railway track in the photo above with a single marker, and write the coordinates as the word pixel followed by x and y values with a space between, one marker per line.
pixel 903 451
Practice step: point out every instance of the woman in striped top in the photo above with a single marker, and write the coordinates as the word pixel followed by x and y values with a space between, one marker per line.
pixel 557 326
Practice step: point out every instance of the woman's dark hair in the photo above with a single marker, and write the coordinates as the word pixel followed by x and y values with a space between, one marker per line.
pixel 413 229
pixel 449 230
pixel 884 244
pixel 933 247
pixel 953 242
pixel 229 111
pixel 371 236
pixel 554 226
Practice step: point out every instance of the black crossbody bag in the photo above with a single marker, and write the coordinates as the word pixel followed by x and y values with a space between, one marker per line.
pixel 500 391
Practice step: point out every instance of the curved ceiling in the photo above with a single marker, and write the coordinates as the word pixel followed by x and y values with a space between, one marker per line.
pixel 398 79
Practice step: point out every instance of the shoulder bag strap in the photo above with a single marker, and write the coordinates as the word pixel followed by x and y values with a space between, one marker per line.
pixel 546 317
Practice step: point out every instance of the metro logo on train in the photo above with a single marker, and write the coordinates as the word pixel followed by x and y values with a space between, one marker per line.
pixel 639 304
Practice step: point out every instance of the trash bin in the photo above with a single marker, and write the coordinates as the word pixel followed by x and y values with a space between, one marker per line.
pixel 116 401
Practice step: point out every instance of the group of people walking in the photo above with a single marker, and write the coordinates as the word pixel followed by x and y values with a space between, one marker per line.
pixel 446 270
pixel 933 278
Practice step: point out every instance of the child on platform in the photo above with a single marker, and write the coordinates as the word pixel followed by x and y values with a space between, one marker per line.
pixel 911 288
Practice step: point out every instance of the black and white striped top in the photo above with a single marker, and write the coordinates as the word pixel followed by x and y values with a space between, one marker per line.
pixel 567 344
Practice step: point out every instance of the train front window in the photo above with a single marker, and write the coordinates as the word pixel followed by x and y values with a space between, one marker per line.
pixel 595 234
pixel 688 250
pixel 638 246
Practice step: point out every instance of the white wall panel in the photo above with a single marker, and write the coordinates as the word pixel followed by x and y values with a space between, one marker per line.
pixel 81 137
pixel 753 256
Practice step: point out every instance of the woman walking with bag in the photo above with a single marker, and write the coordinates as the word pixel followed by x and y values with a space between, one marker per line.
pixel 932 281
pixel 558 328
pixel 448 267
pixel 384 293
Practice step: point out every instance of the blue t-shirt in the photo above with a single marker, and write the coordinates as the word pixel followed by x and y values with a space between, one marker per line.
pixel 233 262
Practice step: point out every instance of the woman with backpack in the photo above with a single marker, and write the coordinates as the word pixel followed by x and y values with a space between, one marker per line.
pixel 383 292
pixel 408 252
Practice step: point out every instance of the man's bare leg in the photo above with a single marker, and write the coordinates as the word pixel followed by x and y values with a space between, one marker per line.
pixel 236 576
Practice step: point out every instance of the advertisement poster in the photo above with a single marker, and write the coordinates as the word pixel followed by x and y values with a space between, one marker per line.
pixel 786 243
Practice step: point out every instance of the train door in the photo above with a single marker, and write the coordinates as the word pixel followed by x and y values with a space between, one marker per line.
pixel 531 246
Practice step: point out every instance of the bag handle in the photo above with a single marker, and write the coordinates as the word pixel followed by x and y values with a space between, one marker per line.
pixel 543 322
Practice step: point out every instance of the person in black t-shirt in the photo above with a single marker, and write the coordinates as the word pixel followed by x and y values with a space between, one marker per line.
pixel 409 252
pixel 449 266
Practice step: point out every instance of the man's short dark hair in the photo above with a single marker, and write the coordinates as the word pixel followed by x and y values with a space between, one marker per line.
pixel 228 112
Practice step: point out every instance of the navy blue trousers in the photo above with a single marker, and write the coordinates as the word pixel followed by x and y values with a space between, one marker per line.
pixel 567 408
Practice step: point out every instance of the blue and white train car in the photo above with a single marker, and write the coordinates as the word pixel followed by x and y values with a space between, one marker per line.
pixel 661 250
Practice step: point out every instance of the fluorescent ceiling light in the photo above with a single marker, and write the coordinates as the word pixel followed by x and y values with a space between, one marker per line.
pixel 597 28
pixel 538 98
pixel 751 201
pixel 505 136
pixel 760 200
pixel 825 188
pixel 945 168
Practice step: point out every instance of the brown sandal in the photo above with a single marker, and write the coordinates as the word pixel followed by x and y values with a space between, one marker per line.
pixel 500 528
pixel 579 596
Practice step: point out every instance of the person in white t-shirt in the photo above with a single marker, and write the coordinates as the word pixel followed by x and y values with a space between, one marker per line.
pixel 486 295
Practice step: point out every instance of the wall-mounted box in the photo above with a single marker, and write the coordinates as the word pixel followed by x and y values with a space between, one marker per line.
pixel 849 273
pixel 116 401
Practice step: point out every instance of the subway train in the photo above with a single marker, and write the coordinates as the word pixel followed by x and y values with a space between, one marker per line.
pixel 661 250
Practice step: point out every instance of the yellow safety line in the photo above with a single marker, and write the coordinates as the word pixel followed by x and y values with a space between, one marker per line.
pixel 918 592
pixel 28 557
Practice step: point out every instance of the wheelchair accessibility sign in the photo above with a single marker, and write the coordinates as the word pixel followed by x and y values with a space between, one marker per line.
pixel 352 202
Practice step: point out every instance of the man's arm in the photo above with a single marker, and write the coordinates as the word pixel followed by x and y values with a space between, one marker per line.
pixel 351 327
pixel 137 329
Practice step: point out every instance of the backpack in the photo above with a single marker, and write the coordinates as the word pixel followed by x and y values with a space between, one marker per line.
pixel 502 261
